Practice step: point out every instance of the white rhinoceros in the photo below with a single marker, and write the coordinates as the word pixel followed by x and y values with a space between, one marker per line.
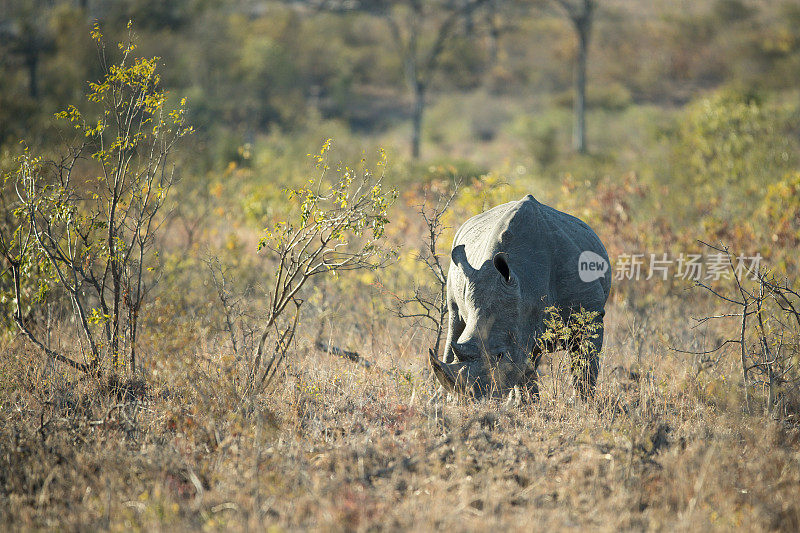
pixel 508 265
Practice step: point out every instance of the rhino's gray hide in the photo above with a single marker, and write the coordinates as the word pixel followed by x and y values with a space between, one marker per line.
pixel 507 266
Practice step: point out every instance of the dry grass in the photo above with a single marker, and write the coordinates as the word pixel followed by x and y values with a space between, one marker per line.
pixel 338 447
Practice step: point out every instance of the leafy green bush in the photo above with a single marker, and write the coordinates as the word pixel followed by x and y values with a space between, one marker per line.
pixel 86 223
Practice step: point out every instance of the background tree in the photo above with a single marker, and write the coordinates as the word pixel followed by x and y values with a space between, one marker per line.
pixel 581 15
pixel 27 36
pixel 421 31
pixel 408 22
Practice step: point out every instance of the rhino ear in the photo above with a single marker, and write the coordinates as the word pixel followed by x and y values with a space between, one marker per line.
pixel 459 258
pixel 500 262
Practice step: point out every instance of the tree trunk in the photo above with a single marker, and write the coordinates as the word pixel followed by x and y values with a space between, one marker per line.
pixel 116 276
pixel 32 62
pixel 494 40
pixel 579 130
pixel 115 317
pixel 419 109
pixel 133 323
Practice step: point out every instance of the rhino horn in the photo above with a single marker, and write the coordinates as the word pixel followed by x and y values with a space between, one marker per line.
pixel 450 375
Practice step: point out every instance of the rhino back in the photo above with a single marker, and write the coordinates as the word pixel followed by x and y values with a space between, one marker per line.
pixel 569 237
pixel 543 246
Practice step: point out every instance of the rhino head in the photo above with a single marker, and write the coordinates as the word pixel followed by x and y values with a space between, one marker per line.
pixel 488 348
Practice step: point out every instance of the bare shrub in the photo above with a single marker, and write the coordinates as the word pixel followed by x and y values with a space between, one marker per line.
pixel 428 302
pixel 332 228
pixel 767 334
pixel 239 322
pixel 87 222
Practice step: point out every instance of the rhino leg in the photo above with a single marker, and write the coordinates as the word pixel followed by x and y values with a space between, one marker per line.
pixel 531 384
pixel 586 367
pixel 530 378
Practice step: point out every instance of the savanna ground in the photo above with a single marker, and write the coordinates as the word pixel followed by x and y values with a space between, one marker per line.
pixel 694 135
pixel 337 447
pixel 666 444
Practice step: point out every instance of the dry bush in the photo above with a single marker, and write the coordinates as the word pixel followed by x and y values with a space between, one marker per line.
pixel 85 224
pixel 334 225
pixel 427 304
pixel 766 311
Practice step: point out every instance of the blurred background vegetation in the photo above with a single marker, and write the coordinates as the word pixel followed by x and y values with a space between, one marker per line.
pixel 692 119
pixel 260 74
